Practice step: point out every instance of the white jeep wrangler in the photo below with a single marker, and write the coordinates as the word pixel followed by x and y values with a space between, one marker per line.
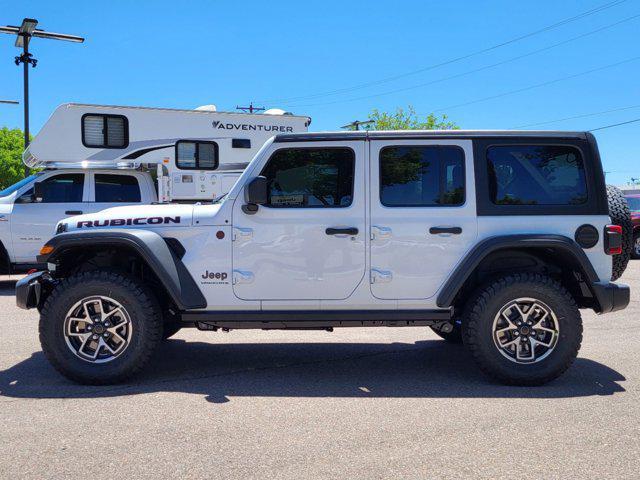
pixel 496 239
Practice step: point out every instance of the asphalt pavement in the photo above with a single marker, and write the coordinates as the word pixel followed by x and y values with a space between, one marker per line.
pixel 356 403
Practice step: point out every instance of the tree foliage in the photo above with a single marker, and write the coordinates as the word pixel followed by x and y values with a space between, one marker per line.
pixel 11 147
pixel 408 119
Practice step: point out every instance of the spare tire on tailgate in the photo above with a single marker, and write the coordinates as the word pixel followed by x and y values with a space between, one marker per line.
pixel 620 215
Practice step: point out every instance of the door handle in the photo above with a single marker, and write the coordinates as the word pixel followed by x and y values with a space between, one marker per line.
pixel 341 231
pixel 453 230
pixel 73 212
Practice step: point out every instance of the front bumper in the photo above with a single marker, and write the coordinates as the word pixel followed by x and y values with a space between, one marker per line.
pixel 611 296
pixel 29 289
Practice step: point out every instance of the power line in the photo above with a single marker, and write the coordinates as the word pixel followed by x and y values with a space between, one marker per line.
pixel 616 124
pixel 469 72
pixel 453 60
pixel 537 85
pixel 592 114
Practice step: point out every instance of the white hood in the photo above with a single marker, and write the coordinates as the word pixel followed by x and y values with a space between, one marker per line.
pixel 138 216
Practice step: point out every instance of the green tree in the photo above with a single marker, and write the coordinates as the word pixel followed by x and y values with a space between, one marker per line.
pixel 11 147
pixel 408 119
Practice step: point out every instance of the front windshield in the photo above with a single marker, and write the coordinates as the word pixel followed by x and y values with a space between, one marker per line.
pixel 17 185
pixel 634 203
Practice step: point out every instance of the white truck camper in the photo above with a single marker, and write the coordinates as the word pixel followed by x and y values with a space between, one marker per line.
pixel 93 157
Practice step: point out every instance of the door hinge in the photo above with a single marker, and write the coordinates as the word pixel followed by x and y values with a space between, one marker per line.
pixel 380 233
pixel 381 276
pixel 242 276
pixel 242 233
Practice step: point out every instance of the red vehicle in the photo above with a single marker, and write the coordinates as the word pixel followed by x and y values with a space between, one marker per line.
pixel 634 205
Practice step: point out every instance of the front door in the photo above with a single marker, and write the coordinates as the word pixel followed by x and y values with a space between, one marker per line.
pixel 423 214
pixel 33 223
pixel 308 241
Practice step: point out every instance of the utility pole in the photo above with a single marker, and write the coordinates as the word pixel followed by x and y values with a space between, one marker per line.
pixel 24 33
pixel 355 125
pixel 250 108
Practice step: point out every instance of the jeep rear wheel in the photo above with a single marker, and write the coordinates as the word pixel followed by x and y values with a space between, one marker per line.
pixel 620 215
pixel 99 327
pixel 523 329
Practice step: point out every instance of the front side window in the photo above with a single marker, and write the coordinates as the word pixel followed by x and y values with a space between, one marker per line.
pixel 536 175
pixel 105 131
pixel 310 177
pixel 196 155
pixel 117 188
pixel 421 176
pixel 65 188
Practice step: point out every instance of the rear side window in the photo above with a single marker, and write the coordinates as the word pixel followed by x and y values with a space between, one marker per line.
pixel 634 203
pixel 310 178
pixel 65 188
pixel 536 175
pixel 421 176
pixel 117 188
pixel 105 131
pixel 196 155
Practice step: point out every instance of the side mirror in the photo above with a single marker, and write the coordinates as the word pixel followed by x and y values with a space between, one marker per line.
pixel 255 193
pixel 38 192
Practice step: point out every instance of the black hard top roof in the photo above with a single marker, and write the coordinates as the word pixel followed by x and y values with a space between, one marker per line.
pixel 408 134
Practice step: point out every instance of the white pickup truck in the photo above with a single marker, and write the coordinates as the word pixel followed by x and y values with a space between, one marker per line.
pixel 25 224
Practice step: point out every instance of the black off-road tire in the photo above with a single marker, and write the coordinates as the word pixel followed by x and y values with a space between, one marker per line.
pixel 620 215
pixel 635 252
pixel 138 301
pixel 486 303
pixel 454 336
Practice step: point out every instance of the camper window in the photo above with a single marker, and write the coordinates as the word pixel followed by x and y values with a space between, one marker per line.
pixel 196 155
pixel 105 131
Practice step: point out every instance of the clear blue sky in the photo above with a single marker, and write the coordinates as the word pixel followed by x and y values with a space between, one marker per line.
pixel 185 54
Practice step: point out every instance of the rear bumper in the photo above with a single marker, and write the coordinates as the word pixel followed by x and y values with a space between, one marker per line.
pixel 611 296
pixel 29 290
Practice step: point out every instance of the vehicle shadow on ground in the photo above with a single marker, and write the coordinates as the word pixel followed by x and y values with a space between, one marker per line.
pixel 219 372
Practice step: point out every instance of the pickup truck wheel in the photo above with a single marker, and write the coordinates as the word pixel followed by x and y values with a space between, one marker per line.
pixel 636 246
pixel 523 329
pixel 99 327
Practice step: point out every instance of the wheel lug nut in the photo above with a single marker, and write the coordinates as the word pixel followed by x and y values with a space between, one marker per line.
pixel 105 335
pixel 95 337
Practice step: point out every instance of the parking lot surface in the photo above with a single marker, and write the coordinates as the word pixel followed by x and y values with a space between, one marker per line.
pixel 355 403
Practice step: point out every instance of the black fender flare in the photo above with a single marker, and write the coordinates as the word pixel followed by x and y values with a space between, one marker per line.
pixel 522 241
pixel 150 246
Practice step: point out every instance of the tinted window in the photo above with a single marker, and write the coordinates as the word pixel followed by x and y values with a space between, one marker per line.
pixel 310 177
pixel 536 175
pixel 65 188
pixel 421 176
pixel 117 188
pixel 104 131
pixel 196 155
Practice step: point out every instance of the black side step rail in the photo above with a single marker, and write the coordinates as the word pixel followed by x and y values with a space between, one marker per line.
pixel 320 319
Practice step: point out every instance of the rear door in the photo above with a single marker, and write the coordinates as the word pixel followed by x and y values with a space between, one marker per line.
pixel 33 223
pixel 423 217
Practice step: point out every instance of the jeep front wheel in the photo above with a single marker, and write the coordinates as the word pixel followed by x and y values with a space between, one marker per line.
pixel 99 327
pixel 523 329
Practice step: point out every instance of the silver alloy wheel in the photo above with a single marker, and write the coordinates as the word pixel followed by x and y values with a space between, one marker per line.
pixel 525 330
pixel 636 246
pixel 97 329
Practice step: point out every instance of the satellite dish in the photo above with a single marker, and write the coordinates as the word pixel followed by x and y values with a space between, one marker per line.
pixel 208 108
pixel 276 111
